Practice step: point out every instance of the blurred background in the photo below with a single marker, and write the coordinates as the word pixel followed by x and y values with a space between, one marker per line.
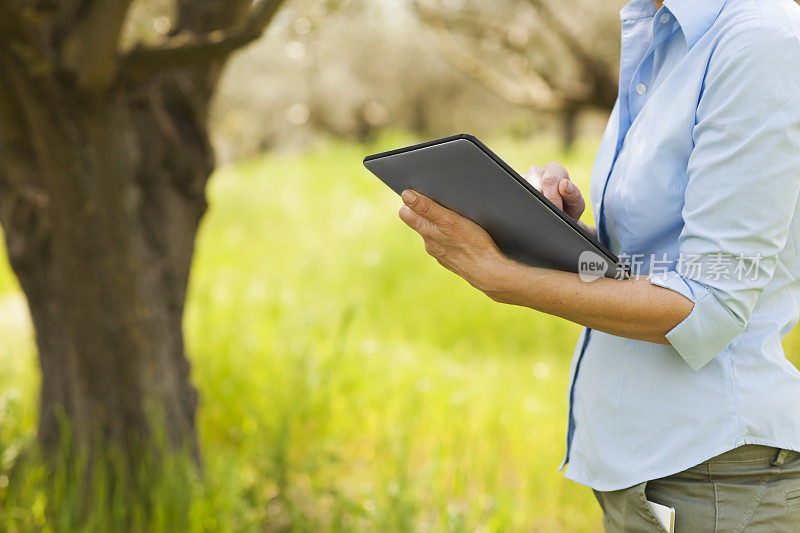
pixel 347 382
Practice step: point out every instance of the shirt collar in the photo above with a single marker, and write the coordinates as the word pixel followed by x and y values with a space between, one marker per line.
pixel 638 9
pixel 694 16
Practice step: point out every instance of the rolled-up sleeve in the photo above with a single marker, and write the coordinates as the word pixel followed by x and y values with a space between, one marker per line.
pixel 743 181
pixel 708 328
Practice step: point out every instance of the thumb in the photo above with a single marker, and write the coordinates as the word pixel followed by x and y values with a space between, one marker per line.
pixel 574 204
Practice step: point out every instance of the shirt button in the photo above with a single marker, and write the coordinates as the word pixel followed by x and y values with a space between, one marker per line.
pixel 641 88
pixel 664 18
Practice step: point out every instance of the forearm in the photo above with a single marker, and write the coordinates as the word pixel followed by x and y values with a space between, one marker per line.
pixel 632 308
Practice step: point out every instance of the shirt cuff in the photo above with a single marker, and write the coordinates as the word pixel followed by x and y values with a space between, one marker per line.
pixel 708 329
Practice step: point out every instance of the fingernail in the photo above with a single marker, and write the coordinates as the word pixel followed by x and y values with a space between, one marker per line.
pixel 408 197
pixel 569 187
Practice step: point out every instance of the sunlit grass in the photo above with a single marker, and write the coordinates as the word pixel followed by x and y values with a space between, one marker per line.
pixel 347 381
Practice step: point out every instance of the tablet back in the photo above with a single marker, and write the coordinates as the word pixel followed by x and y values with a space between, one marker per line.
pixel 463 175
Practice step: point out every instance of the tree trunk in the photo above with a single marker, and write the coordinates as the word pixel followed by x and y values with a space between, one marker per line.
pixel 569 127
pixel 104 158
pixel 101 237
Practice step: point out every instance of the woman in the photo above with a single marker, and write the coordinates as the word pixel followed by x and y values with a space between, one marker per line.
pixel 680 392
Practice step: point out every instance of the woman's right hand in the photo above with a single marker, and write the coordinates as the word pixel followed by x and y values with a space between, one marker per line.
pixel 553 182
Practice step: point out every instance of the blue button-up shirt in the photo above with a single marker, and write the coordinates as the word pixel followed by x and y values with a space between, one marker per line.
pixel 696 184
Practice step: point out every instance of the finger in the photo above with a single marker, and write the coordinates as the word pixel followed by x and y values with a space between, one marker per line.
pixel 416 222
pixel 551 177
pixel 427 208
pixel 534 177
pixel 574 203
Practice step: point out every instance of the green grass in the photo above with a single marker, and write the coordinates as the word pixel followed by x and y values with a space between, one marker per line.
pixel 347 381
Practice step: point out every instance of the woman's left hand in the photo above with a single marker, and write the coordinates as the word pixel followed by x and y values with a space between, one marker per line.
pixel 456 242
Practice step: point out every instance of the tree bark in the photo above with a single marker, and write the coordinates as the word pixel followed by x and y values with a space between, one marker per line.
pixel 102 247
pixel 102 178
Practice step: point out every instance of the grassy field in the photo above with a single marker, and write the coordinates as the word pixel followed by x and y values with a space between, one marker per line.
pixel 347 381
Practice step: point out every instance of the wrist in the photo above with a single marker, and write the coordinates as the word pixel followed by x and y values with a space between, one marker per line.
pixel 499 283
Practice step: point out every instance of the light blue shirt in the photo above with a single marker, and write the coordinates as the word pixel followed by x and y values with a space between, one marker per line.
pixel 696 183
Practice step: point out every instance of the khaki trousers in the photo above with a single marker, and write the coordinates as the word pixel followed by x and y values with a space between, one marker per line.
pixel 751 488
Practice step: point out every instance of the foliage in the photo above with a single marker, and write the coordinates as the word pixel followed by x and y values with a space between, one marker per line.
pixel 316 74
pixel 347 381
pixel 535 53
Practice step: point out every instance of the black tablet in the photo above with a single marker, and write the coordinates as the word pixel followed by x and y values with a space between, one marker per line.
pixel 462 174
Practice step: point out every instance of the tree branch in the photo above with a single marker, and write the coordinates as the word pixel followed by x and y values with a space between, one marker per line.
pixel 90 48
pixel 536 91
pixel 596 67
pixel 187 49
pixel 523 51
